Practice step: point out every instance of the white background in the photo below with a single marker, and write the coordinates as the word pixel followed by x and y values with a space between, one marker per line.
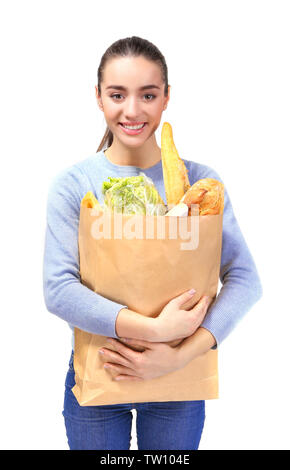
pixel 228 64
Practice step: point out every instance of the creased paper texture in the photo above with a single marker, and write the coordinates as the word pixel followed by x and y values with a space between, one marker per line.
pixel 145 274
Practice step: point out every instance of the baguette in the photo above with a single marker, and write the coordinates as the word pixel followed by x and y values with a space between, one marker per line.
pixel 175 175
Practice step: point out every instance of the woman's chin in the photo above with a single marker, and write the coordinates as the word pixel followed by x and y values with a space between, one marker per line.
pixel 132 143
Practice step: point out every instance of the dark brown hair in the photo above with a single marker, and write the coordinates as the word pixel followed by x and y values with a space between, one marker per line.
pixel 134 47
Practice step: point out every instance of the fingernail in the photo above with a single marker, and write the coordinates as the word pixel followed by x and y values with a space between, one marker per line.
pixel 101 351
pixel 192 291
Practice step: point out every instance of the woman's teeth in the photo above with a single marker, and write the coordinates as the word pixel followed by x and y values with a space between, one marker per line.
pixel 134 127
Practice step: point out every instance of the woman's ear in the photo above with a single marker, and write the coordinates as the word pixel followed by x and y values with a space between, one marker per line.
pixel 167 98
pixel 99 99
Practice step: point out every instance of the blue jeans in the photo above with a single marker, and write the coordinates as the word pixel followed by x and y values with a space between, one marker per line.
pixel 159 425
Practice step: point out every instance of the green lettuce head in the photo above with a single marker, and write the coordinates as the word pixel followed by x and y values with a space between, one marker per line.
pixel 133 195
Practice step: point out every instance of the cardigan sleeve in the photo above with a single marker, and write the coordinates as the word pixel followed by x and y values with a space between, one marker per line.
pixel 64 294
pixel 241 285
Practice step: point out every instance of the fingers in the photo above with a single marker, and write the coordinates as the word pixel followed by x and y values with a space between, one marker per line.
pixel 109 355
pixel 183 298
pixel 202 306
pixel 123 361
pixel 118 369
pixel 198 312
pixel 125 351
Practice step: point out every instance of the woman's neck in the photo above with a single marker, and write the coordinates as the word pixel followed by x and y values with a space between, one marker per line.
pixel 143 157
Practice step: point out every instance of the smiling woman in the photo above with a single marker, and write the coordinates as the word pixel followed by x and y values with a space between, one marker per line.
pixel 133 92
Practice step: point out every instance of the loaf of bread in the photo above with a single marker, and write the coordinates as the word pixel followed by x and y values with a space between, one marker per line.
pixel 208 193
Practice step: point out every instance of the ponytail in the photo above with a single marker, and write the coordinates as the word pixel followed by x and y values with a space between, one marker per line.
pixel 107 140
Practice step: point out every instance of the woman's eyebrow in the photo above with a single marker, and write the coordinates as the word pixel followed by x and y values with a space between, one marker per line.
pixel 119 87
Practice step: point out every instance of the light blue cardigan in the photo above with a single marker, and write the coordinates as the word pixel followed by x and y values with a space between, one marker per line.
pixel 67 298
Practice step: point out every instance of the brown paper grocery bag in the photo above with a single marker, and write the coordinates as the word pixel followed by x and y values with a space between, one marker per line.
pixel 143 262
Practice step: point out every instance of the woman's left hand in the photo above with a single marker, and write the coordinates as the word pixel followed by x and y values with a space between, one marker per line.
pixel 126 364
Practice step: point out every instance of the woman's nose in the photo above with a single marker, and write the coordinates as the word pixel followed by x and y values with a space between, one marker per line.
pixel 132 108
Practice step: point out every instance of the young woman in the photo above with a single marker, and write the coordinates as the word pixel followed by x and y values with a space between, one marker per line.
pixel 133 92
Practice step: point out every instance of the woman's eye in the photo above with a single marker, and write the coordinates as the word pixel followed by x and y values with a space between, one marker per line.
pixel 153 96
pixel 114 96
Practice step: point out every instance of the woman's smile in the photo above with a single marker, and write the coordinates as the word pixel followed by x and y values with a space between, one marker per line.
pixel 132 129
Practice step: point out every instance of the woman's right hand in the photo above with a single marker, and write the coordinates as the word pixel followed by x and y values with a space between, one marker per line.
pixel 175 323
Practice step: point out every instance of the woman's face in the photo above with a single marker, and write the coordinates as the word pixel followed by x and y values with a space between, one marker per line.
pixel 132 93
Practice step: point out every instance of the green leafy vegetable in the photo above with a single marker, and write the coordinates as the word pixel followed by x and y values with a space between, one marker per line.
pixel 133 195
